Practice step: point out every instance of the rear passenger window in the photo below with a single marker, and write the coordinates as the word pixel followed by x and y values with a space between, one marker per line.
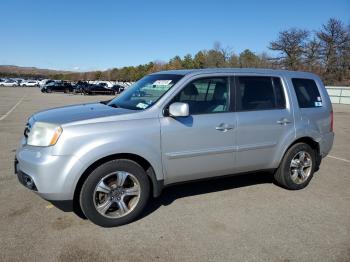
pixel 259 93
pixel 307 93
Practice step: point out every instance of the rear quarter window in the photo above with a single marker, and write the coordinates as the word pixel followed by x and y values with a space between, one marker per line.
pixel 307 93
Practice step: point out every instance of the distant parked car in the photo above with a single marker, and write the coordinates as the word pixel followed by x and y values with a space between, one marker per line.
pixel 118 88
pixel 79 87
pixel 99 89
pixel 57 87
pixel 44 82
pixel 8 83
pixel 107 84
pixel 29 83
pixel 19 81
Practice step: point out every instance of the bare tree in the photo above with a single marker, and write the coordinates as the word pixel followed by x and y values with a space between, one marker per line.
pixel 291 45
pixel 334 39
pixel 312 54
pixel 225 51
pixel 265 61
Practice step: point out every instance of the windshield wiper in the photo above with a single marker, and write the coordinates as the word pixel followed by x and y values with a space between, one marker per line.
pixel 105 102
pixel 113 105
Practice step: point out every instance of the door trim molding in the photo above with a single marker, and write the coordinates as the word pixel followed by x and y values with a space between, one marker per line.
pixel 194 153
pixel 218 150
pixel 256 146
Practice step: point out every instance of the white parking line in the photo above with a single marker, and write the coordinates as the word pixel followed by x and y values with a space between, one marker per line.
pixel 338 158
pixel 13 108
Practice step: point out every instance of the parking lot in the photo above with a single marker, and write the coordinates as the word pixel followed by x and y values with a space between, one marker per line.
pixel 242 218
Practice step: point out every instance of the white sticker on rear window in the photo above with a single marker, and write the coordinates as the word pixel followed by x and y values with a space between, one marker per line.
pixel 142 105
pixel 318 103
pixel 162 82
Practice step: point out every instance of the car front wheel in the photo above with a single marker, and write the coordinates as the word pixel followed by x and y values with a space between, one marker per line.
pixel 115 193
pixel 297 167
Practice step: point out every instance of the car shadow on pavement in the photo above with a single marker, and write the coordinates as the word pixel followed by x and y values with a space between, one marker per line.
pixel 188 189
pixel 193 188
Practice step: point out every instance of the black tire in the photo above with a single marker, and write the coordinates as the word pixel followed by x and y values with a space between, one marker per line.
pixel 86 195
pixel 283 175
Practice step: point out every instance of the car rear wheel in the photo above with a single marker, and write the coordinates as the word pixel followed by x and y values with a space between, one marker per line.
pixel 297 167
pixel 115 193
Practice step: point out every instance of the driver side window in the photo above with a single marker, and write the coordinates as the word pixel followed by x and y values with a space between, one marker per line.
pixel 206 95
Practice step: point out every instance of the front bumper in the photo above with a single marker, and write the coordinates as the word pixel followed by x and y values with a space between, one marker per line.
pixel 52 177
pixel 24 179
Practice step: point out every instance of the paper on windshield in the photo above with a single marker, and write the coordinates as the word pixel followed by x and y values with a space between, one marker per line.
pixel 142 105
pixel 162 82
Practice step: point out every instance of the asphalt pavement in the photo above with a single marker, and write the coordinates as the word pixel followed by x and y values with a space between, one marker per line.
pixel 241 218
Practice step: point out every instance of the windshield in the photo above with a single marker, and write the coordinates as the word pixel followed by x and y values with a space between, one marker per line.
pixel 145 92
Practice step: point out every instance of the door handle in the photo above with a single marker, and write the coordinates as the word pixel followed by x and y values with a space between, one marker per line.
pixel 224 127
pixel 284 121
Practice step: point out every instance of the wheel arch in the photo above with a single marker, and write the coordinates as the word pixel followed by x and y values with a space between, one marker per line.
pixel 307 140
pixel 157 185
pixel 312 143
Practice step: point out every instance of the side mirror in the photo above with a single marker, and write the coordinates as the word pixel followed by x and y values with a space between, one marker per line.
pixel 179 109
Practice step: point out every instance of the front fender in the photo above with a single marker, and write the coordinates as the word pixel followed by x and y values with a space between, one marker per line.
pixel 90 153
pixel 92 142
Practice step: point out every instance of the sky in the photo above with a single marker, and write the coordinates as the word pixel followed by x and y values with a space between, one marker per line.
pixel 83 35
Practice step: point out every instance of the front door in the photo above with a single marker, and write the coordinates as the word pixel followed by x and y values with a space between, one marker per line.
pixel 202 144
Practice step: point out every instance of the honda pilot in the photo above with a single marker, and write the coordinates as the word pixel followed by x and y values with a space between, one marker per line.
pixel 174 126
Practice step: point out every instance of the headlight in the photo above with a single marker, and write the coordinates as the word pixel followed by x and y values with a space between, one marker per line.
pixel 44 134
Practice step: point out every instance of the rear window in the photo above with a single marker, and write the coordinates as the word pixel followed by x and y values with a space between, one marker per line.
pixel 307 93
pixel 259 93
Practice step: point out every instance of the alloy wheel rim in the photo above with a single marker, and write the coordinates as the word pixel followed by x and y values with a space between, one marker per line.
pixel 300 167
pixel 117 194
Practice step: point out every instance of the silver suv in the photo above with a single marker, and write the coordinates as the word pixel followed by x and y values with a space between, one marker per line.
pixel 175 126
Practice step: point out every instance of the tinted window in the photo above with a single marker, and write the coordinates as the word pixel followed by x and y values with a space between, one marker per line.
pixel 259 93
pixel 307 93
pixel 208 95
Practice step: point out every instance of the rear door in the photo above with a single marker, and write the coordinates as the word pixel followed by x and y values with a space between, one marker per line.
pixel 202 144
pixel 264 121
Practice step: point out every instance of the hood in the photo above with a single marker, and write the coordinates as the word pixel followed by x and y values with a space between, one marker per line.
pixel 68 114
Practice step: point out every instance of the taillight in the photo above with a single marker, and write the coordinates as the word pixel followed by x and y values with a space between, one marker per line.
pixel 332 121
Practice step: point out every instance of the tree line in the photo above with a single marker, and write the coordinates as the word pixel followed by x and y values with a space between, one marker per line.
pixel 325 51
